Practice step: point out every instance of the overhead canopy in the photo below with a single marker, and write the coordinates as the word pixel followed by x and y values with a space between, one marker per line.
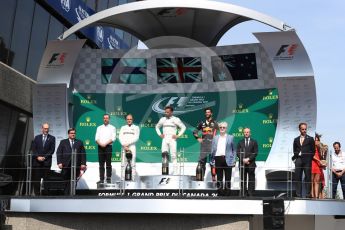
pixel 201 20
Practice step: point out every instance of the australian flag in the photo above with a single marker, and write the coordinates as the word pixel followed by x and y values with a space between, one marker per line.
pixel 124 70
pixel 179 70
pixel 234 67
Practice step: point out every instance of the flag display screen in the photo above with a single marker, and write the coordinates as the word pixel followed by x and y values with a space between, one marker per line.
pixel 234 67
pixel 179 70
pixel 124 70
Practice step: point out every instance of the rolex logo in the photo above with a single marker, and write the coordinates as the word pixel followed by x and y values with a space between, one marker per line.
pixel 88 146
pixel 88 100
pixel 240 109
pixel 149 146
pixel 148 123
pixel 88 123
pixel 118 111
pixel 269 144
pixel 270 95
pixel 270 119
pixel 239 133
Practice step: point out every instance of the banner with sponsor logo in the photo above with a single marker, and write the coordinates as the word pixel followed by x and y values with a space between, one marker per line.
pixel 296 86
pixel 50 105
pixel 50 95
pixel 73 11
pixel 287 53
pixel 258 111
pixel 58 61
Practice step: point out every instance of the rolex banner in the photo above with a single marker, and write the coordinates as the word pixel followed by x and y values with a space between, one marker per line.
pixel 257 109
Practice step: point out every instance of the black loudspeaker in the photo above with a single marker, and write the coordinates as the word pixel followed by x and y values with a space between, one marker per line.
pixel 273 214
pixel 54 184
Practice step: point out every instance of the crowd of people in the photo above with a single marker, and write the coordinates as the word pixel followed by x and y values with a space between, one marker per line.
pixel 216 147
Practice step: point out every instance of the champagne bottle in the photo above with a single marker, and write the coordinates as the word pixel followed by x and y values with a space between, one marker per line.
pixel 128 172
pixel 199 173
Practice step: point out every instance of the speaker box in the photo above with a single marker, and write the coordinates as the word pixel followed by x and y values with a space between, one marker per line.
pixel 273 214
pixel 54 184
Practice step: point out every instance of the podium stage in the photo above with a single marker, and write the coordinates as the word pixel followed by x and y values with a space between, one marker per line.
pixel 221 205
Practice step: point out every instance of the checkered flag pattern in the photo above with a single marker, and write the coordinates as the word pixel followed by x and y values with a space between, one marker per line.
pixel 88 70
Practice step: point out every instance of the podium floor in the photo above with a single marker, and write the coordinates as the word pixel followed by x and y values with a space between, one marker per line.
pixel 160 182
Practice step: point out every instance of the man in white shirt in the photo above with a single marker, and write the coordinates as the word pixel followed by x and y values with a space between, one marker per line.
pixel 105 136
pixel 338 169
pixel 170 125
pixel 129 135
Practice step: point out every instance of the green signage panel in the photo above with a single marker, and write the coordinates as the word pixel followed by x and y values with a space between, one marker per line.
pixel 256 109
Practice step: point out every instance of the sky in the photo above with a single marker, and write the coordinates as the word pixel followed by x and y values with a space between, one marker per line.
pixel 320 26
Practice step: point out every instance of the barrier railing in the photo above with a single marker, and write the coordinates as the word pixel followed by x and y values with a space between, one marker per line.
pixel 148 177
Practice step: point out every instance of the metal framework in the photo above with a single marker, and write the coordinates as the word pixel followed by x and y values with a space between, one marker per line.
pixel 201 20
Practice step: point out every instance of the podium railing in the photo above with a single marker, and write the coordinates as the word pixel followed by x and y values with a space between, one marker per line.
pixel 282 181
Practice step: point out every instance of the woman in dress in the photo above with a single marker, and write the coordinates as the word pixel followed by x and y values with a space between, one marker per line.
pixel 323 157
pixel 317 166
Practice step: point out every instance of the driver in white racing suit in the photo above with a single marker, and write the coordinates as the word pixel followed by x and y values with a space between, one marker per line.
pixel 170 125
pixel 129 135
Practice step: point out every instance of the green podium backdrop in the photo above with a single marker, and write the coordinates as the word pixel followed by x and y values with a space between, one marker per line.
pixel 257 109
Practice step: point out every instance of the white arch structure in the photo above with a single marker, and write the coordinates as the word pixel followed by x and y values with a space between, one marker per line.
pixel 202 20
pixel 206 22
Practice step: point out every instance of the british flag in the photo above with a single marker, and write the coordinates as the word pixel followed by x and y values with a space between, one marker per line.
pixel 179 70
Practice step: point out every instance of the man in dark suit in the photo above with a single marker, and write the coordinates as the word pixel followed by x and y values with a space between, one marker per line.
pixel 247 150
pixel 43 148
pixel 303 153
pixel 64 157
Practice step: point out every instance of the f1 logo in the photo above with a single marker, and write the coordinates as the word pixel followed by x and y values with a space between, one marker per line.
pixel 60 57
pixel 180 101
pixel 164 180
pixel 289 49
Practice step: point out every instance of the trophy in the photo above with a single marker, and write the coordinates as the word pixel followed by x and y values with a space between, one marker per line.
pixel 128 170
pixel 165 163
